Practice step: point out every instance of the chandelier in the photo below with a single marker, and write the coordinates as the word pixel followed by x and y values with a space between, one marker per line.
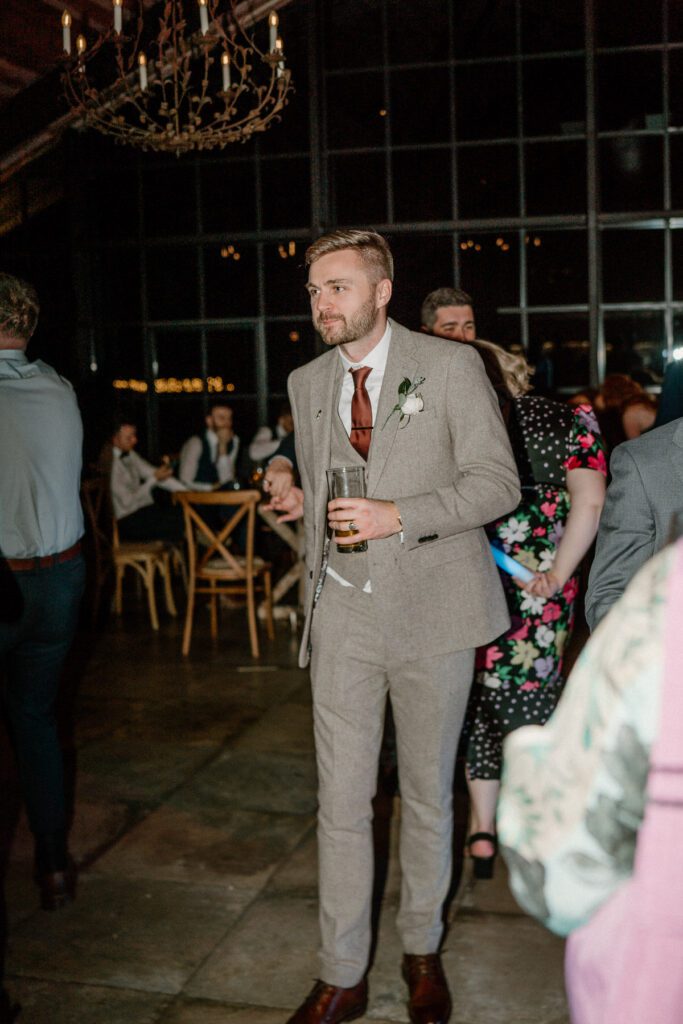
pixel 178 77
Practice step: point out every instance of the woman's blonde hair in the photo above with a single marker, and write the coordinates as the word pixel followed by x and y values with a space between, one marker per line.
pixel 513 366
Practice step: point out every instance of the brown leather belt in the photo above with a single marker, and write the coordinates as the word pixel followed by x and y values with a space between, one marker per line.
pixel 43 561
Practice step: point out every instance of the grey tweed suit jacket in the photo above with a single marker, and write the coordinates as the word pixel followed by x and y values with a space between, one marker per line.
pixel 645 494
pixel 449 469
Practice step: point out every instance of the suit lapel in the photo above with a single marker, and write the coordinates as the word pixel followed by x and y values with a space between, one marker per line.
pixel 324 393
pixel 676 450
pixel 402 361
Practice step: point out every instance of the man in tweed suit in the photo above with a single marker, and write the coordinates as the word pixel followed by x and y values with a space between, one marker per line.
pixel 401 619
pixel 643 512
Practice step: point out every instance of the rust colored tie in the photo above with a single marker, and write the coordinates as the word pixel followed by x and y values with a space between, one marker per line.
pixel 361 412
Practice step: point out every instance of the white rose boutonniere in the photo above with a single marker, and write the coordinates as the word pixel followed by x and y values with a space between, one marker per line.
pixel 410 401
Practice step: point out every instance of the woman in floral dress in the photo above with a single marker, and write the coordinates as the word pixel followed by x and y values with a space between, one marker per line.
pixel 562 465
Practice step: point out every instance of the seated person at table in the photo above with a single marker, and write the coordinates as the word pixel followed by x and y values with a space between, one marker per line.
pixel 209 461
pixel 266 440
pixel 134 482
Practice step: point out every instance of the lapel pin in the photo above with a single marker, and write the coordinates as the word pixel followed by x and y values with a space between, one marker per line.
pixel 318 414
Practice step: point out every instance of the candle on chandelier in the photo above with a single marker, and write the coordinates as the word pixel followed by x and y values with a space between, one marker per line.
pixel 225 67
pixel 279 50
pixel 203 16
pixel 142 67
pixel 272 24
pixel 81 44
pixel 66 32
pixel 118 16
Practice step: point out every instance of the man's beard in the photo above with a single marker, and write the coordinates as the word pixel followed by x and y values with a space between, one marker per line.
pixel 360 324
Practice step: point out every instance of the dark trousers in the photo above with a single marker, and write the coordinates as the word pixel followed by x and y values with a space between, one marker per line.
pixel 153 522
pixel 34 642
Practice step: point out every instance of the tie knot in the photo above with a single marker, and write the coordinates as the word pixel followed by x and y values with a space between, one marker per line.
pixel 360 375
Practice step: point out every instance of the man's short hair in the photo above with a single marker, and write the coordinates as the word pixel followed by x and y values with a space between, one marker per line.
pixel 442 297
pixel 121 420
pixel 19 307
pixel 373 250
pixel 219 403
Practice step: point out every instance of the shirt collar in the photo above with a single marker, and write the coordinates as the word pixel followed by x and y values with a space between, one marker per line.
pixel 211 436
pixel 376 359
pixel 17 355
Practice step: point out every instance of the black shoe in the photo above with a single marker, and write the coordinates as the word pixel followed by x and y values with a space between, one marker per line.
pixel 57 888
pixel 483 866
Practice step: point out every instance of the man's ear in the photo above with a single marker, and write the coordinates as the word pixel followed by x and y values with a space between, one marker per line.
pixel 383 294
pixel 425 329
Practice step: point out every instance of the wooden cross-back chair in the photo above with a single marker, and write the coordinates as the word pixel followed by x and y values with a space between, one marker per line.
pixel 146 558
pixel 214 568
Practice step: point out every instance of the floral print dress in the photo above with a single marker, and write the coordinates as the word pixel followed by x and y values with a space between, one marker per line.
pixel 519 676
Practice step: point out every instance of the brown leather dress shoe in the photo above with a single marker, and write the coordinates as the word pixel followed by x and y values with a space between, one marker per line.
pixel 57 888
pixel 330 1004
pixel 430 1000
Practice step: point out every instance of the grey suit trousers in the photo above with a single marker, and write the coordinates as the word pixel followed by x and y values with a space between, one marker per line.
pixel 352 672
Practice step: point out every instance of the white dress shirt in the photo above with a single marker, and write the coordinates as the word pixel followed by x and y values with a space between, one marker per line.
pixel 41 440
pixel 377 359
pixel 266 442
pixel 132 481
pixel 191 453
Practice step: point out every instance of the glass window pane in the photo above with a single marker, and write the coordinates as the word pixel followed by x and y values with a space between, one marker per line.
pixel 179 355
pixel 632 265
pixel 561 26
pixel 163 184
pixel 124 354
pixel 344 25
pixel 420 106
pixel 557 267
pixel 676 151
pixel 488 181
pixel 289 346
pixel 285 193
pixel 489 272
pixel 230 280
pixel 483 31
pixel 285 277
pixel 355 110
pixel 629 90
pixel 231 356
pixel 291 132
pixel 422 263
pixel 417 28
pixel 555 97
pixel 358 189
pixel 112 199
pixel 486 104
pixel 555 177
pixel 172 283
pixel 422 185
pixel 117 272
pixel 179 416
pixel 229 195
pixel 629 22
pixel 635 344
pixel 677 263
pixel 560 350
pixel 631 174
pixel 676 88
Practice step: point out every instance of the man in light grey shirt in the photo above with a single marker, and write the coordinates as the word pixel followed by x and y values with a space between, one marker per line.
pixel 42 572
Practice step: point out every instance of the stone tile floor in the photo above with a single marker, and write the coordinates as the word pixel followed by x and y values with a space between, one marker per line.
pixel 194 785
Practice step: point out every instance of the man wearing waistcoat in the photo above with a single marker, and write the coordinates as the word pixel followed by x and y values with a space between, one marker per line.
pixel 401 619
pixel 210 459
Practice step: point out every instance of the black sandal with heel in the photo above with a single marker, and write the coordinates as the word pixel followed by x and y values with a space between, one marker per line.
pixel 483 866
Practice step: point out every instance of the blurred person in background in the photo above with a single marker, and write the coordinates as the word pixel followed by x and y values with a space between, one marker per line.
pixel 561 462
pixel 449 313
pixel 211 459
pixel 266 440
pixel 616 389
pixel 643 512
pixel 42 575
pixel 638 415
pixel 591 810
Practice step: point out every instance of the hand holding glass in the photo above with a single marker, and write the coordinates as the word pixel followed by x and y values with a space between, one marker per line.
pixel 347 482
